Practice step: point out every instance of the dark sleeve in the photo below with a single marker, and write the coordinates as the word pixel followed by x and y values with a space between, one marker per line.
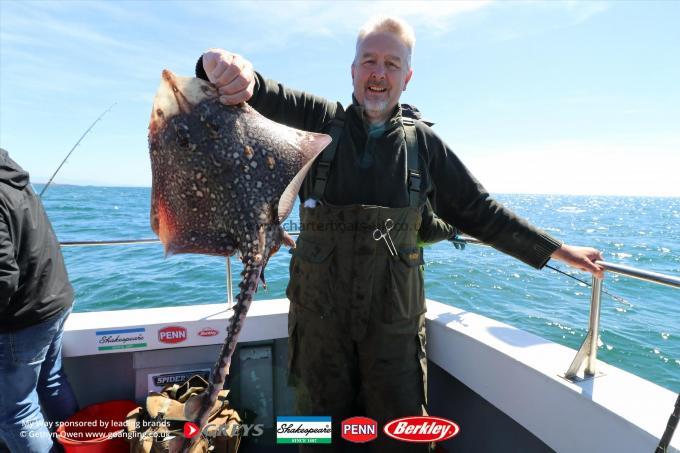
pixel 433 229
pixel 286 106
pixel 461 200
pixel 9 271
pixel 200 71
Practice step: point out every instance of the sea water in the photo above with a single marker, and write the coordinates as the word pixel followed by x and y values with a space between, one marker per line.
pixel 640 334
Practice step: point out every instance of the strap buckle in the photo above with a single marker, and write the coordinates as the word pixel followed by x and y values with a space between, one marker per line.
pixel 413 180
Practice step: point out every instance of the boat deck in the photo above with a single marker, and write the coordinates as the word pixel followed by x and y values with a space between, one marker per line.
pixel 500 384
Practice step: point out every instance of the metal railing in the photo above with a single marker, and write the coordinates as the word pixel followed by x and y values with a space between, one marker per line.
pixel 230 290
pixel 586 357
pixel 110 242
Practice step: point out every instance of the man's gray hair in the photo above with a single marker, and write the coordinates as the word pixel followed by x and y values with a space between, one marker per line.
pixel 398 27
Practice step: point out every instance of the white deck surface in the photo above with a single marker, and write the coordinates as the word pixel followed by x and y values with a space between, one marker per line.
pixel 519 373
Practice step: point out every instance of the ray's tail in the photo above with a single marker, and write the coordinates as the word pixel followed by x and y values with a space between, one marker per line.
pixel 199 409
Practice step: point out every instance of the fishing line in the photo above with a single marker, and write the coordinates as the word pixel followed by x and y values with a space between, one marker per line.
pixel 471 240
pixel 74 147
pixel 615 297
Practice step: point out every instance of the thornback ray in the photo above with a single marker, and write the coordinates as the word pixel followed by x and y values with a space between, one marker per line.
pixel 224 178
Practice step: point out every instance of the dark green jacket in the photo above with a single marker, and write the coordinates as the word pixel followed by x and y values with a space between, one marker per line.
pixel 369 170
pixel 34 285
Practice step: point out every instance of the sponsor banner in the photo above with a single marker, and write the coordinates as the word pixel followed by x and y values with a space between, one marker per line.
pixel 421 429
pixel 234 429
pixel 359 429
pixel 303 430
pixel 108 340
pixel 208 332
pixel 172 334
pixel 156 381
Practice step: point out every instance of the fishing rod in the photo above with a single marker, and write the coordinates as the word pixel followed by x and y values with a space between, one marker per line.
pixel 670 428
pixel 74 147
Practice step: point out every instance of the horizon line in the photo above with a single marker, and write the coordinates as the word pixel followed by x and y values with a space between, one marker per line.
pixel 492 193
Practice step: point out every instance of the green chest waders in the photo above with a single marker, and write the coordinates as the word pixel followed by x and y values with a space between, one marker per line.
pixel 356 321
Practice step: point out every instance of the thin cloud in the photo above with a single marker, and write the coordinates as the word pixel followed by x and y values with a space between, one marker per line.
pixel 116 11
pixel 50 49
pixel 582 11
pixel 547 16
pixel 333 20
pixel 25 19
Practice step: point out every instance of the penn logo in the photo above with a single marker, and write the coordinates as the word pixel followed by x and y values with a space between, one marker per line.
pixel 172 334
pixel 359 429
pixel 421 429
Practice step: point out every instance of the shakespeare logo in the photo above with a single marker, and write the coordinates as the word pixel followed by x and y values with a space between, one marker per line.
pixel 108 340
pixel 303 430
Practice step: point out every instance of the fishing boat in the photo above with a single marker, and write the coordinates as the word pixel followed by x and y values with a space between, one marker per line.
pixel 507 389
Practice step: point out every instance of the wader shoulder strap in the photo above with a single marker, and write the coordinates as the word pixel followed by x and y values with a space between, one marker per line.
pixel 413 167
pixel 324 165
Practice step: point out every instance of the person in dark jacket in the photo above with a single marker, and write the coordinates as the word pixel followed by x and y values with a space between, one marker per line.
pixel 35 299
pixel 356 320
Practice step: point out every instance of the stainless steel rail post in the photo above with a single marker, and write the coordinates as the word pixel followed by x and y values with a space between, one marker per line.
pixel 594 326
pixel 588 351
pixel 230 289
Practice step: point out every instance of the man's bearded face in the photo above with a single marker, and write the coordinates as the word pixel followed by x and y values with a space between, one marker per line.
pixel 380 72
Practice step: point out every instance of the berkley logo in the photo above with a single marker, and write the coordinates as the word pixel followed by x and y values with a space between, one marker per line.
pixel 172 334
pixel 421 429
pixel 359 429
pixel 207 332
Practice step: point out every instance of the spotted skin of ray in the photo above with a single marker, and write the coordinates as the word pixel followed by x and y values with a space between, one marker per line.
pixel 223 180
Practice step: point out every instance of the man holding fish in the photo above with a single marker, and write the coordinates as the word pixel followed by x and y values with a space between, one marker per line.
pixel 356 322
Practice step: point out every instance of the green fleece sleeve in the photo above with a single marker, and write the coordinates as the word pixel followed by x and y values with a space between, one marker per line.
pixel 291 107
pixel 462 201
pixel 287 106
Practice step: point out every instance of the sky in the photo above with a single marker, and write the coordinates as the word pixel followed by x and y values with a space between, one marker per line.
pixel 552 97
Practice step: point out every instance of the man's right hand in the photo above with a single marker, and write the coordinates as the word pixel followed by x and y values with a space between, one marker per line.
pixel 232 74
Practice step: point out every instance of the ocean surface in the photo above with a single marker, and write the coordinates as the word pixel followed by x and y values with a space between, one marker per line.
pixel 640 334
